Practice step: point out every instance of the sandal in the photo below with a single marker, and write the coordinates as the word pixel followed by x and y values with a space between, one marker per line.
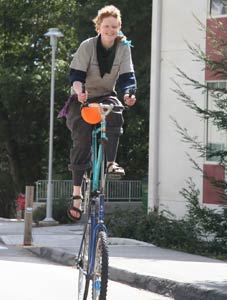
pixel 114 168
pixel 71 208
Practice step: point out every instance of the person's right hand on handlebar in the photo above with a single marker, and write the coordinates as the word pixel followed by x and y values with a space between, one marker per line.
pixel 130 100
pixel 81 95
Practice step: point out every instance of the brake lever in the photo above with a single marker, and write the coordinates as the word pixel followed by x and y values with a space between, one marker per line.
pixel 83 88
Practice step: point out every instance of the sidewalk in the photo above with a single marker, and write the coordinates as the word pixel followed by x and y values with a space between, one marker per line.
pixel 179 275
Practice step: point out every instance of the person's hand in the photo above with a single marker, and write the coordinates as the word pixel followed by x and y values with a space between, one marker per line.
pixel 130 101
pixel 82 97
pixel 79 88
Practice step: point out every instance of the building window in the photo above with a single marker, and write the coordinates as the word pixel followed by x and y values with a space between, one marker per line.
pixel 213 171
pixel 218 7
pixel 216 137
pixel 212 193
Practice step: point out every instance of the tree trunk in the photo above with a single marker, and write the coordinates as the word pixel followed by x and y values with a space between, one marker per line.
pixel 14 168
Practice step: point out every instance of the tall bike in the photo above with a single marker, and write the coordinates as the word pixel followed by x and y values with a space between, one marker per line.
pixel 93 256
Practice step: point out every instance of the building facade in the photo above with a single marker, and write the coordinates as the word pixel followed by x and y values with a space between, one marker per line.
pixel 175 25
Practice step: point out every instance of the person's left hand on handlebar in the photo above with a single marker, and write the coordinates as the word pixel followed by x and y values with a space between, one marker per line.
pixel 80 90
pixel 130 101
pixel 82 97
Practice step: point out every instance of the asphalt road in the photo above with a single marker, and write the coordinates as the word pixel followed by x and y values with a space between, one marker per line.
pixel 26 276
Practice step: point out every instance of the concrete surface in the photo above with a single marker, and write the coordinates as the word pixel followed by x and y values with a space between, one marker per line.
pixel 176 274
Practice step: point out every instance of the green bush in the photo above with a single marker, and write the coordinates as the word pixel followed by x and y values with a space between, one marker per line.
pixel 59 212
pixel 39 213
pixel 160 229
pixel 202 231
pixel 210 224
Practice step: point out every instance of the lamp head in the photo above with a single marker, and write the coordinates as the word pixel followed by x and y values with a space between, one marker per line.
pixel 54 32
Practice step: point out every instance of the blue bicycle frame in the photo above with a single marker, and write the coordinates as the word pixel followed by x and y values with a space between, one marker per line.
pixel 97 195
pixel 93 255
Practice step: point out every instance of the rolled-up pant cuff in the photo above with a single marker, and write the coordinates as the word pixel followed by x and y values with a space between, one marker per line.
pixel 78 172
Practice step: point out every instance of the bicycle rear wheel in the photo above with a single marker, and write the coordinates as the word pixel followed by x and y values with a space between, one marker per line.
pixel 100 276
pixel 83 280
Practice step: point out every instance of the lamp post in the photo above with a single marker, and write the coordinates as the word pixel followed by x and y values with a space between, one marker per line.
pixel 54 34
pixel 154 126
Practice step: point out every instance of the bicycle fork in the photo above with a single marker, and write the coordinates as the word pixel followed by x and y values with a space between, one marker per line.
pixel 96 226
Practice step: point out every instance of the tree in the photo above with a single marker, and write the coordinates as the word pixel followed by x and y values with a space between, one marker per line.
pixel 25 87
pixel 25 56
pixel 215 115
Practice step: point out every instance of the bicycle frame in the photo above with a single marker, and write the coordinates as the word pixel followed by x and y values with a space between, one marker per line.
pixel 97 196
pixel 98 160
pixel 93 257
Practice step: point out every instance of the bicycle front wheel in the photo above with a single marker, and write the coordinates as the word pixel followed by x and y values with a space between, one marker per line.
pixel 100 276
pixel 83 281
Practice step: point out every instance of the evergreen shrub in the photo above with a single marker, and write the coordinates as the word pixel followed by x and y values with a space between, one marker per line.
pixel 202 230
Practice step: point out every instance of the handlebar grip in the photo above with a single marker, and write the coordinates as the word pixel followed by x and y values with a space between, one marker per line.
pixel 83 88
pixel 131 92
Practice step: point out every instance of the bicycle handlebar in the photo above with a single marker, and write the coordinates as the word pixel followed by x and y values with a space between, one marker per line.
pixel 104 106
pixel 132 92
pixel 95 112
pixel 83 88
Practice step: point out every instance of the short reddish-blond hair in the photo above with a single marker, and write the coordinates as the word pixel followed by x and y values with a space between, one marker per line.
pixel 105 12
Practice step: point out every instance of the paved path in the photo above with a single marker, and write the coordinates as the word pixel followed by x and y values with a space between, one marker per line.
pixel 179 275
pixel 24 271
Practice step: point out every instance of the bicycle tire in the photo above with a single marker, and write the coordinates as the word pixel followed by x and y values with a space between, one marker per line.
pixel 83 281
pixel 100 276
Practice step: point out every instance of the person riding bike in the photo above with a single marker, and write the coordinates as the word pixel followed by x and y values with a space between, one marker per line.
pixel 98 63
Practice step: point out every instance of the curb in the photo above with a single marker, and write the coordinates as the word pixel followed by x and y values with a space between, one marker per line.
pixel 55 255
pixel 125 241
pixel 165 287
pixel 162 286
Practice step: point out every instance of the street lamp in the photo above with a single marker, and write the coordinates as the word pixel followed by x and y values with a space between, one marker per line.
pixel 54 34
